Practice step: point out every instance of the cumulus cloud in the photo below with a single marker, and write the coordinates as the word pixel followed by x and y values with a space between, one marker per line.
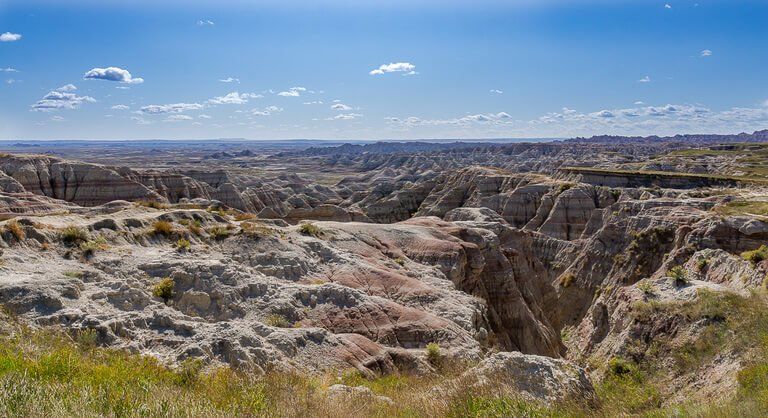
pixel 230 80
pixel 234 98
pixel 667 6
pixel 346 116
pixel 316 102
pixel 645 79
pixel 496 91
pixel 9 37
pixel 205 22
pixel 204 116
pixel 267 111
pixel 706 53
pixel 395 67
pixel 499 118
pixel 292 92
pixel 61 98
pixel 120 107
pixel 140 121
pixel 112 74
pixel 170 108
pixel 178 118
pixel 340 106
pixel 8 70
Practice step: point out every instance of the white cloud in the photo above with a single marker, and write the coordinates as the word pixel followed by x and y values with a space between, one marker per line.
pixel 316 102
pixel 205 22
pixel 11 81
pixel 645 79
pixel 706 53
pixel 61 98
pixel 139 120
pixel 170 108
pixel 57 118
pixel 204 116
pixel 9 37
pixel 500 118
pixel 603 114
pixel 639 102
pixel 234 98
pixel 230 80
pixel 346 116
pixel 340 106
pixel 496 91
pixel 395 67
pixel 667 6
pixel 120 107
pixel 178 118
pixel 8 70
pixel 267 111
pixel 292 92
pixel 112 74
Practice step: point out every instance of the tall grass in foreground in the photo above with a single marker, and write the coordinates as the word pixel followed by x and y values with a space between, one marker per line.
pixel 50 373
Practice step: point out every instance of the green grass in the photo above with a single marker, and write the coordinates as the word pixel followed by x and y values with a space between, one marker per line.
pixel 743 207
pixel 310 229
pixel 46 373
pixel 756 256
pixel 74 235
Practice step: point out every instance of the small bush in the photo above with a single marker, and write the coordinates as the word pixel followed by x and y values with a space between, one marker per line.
pixel 189 372
pixel 218 232
pixel 73 235
pixel 90 247
pixel 400 261
pixel 620 367
pixel 87 338
pixel 679 275
pixel 163 228
pixel 646 287
pixel 152 204
pixel 701 264
pixel 310 229
pixel 567 279
pixel 756 256
pixel 244 216
pixel 15 229
pixel 163 289
pixel 277 321
pixel 183 244
pixel 434 356
pixel 255 230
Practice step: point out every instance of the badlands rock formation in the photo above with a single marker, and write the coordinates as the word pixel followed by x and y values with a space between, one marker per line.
pixel 532 273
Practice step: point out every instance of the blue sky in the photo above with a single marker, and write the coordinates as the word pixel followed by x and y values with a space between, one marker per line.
pixel 308 69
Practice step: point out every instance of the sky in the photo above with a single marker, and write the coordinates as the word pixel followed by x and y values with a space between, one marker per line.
pixel 418 69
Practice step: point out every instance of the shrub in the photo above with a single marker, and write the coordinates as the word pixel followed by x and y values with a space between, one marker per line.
pixel 163 289
pixel 679 275
pixel 189 372
pixel 277 321
pixel 194 226
pixel 90 247
pixel 244 216
pixel 400 261
pixel 255 230
pixel 434 356
pixel 620 367
pixel 15 229
pixel 163 228
pixel 646 287
pixel 183 244
pixel 218 232
pixel 566 279
pixel 73 235
pixel 310 229
pixel 87 338
pixel 756 256
pixel 152 204
pixel 701 264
